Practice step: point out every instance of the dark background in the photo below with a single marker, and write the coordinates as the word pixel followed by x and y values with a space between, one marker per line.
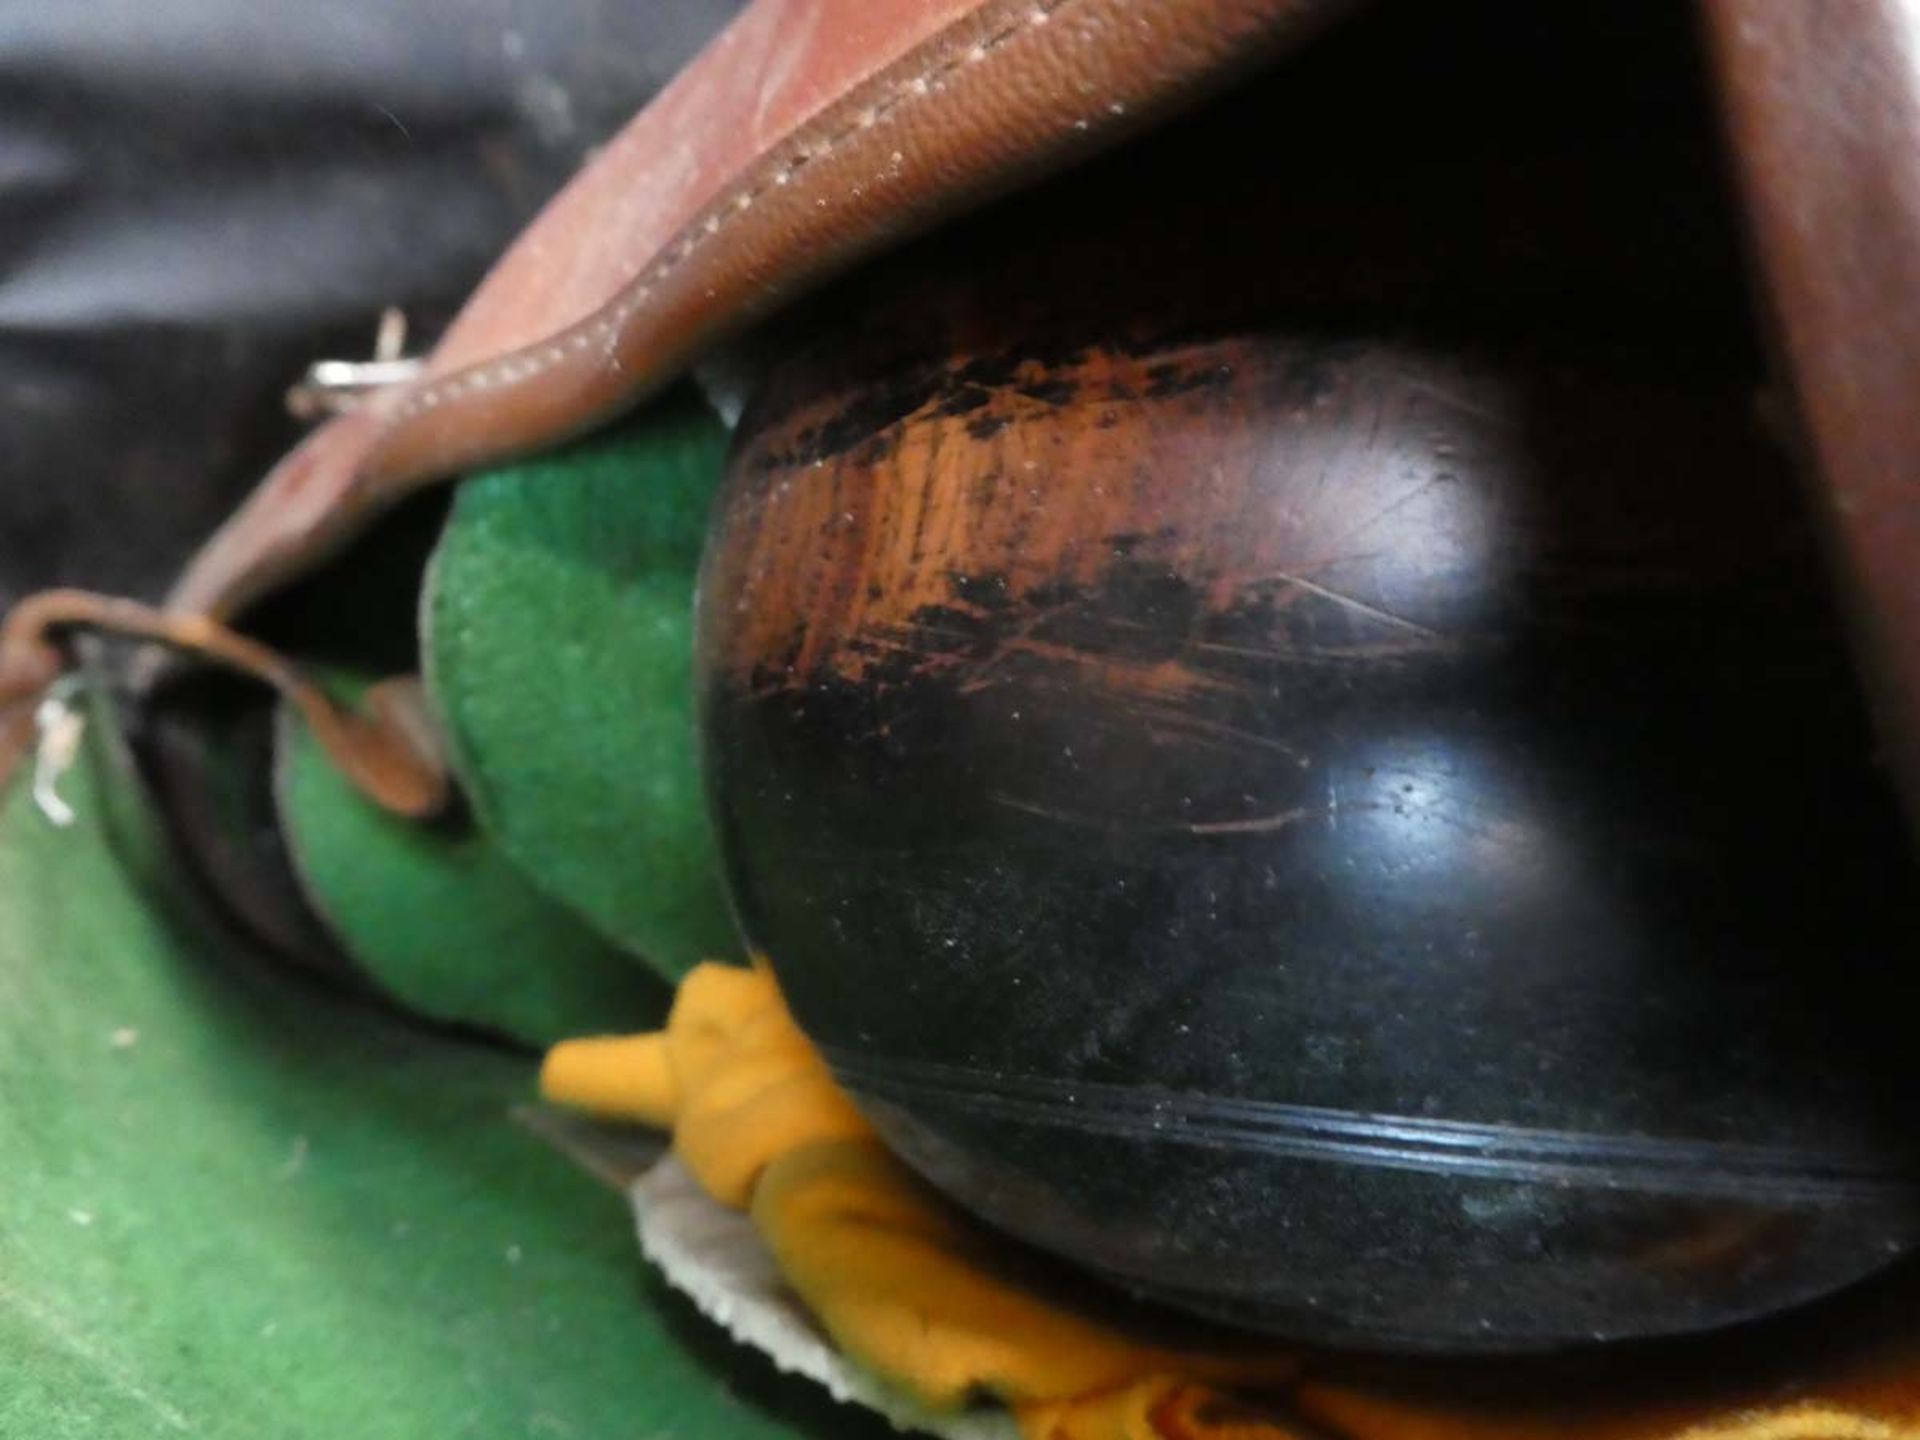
pixel 198 197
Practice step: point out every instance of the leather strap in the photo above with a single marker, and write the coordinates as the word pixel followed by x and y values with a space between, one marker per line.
pixel 1822 99
pixel 809 135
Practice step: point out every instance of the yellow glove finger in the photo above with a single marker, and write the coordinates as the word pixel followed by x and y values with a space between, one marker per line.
pixel 923 1295
pixel 614 1077
pixel 1160 1407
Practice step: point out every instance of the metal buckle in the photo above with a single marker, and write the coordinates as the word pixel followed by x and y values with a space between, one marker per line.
pixel 333 387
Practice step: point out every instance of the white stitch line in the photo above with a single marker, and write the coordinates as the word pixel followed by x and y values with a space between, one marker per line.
pixel 604 328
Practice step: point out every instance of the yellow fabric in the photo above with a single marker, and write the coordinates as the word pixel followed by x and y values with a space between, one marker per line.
pixel 906 1284
pixel 617 1077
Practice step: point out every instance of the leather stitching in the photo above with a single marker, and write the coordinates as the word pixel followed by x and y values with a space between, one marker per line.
pixel 603 327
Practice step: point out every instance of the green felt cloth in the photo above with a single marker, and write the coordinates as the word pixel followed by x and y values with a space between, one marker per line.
pixel 234 1203
pixel 557 627
pixel 441 920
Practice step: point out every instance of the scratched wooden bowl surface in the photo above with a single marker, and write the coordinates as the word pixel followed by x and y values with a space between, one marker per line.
pixel 1369 842
pixel 1282 724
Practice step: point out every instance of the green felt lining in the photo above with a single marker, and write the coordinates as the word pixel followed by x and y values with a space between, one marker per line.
pixel 441 920
pixel 557 623
pixel 235 1203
